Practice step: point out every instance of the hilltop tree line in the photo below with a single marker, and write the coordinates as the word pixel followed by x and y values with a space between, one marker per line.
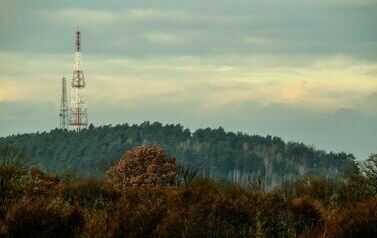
pixel 214 153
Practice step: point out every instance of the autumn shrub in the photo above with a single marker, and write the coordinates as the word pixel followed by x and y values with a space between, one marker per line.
pixel 275 217
pixel 139 211
pixel 12 177
pixel 204 208
pixel 97 222
pixel 38 218
pixel 88 193
pixel 42 185
pixel 235 212
pixel 308 216
pixel 196 208
pixel 321 189
pixel 143 166
pixel 10 186
pixel 356 220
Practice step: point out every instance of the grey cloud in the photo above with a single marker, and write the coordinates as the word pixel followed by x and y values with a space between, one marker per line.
pixel 212 27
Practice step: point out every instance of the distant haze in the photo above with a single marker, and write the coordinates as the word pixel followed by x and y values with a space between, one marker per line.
pixel 302 70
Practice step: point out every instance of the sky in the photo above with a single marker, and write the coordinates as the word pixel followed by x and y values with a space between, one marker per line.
pixel 305 71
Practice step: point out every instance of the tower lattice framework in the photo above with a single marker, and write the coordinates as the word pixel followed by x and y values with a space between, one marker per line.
pixel 78 115
pixel 64 106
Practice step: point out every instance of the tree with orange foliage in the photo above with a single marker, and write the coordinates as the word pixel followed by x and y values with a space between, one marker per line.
pixel 143 166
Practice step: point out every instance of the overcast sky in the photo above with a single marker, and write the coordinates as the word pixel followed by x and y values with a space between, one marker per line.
pixel 302 70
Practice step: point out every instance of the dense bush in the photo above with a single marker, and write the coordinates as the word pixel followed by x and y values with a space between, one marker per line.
pixel 37 218
pixel 139 211
pixel 12 176
pixel 37 204
pixel 88 193
pixel 357 220
pixel 307 214
pixel 144 166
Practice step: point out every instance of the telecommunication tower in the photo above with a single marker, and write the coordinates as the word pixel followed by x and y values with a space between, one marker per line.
pixel 78 116
pixel 64 106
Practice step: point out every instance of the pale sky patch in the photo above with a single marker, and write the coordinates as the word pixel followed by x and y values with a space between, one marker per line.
pixel 166 38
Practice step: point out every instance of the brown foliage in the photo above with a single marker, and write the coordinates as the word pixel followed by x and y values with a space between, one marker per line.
pixel 88 193
pixel 11 185
pixel 276 219
pixel 38 218
pixel 144 165
pixel 43 183
pixel 97 223
pixel 324 190
pixel 307 214
pixel 139 212
pixel 137 199
pixel 358 220
pixel 204 208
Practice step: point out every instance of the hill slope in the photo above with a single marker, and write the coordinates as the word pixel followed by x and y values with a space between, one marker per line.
pixel 214 152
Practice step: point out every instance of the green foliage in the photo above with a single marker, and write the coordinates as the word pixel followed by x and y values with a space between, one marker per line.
pixel 369 171
pixel 361 181
pixel 211 152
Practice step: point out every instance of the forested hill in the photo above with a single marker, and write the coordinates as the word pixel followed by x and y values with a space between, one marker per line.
pixel 213 152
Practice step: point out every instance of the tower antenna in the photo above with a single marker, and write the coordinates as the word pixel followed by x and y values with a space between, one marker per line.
pixel 78 116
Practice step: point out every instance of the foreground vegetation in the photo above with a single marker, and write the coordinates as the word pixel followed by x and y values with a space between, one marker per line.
pixel 213 153
pixel 147 195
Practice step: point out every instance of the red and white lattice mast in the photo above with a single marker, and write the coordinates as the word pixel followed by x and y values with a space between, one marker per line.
pixel 78 115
